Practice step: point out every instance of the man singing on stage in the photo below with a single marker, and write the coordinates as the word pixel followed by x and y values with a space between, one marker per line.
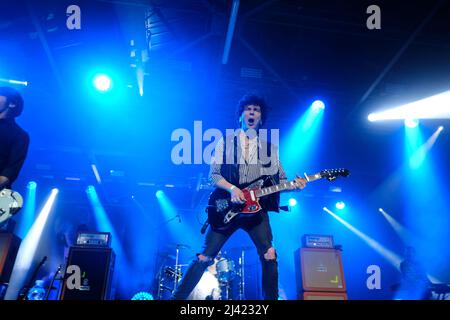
pixel 248 147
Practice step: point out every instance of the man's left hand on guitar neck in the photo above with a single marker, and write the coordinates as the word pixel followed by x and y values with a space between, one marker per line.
pixel 299 183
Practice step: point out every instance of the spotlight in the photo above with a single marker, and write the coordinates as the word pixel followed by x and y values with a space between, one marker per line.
pixel 318 105
pixel 440 128
pixel 11 81
pixel 159 194
pixel 340 205
pixel 142 296
pixel 372 117
pixel 411 123
pixel 90 189
pixel 393 258
pixel 434 107
pixel 102 83
pixel 32 185
pixel 292 202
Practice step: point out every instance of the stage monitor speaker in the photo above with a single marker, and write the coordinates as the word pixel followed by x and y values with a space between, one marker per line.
pixel 9 246
pixel 319 270
pixel 96 267
pixel 312 295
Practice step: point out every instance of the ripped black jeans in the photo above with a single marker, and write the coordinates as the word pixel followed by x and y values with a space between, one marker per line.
pixel 260 232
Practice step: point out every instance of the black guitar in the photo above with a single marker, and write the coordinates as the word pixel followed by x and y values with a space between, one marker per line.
pixel 221 211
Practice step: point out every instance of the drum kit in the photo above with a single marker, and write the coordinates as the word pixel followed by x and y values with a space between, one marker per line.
pixel 217 282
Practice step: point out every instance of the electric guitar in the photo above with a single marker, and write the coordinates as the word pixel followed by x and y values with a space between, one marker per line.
pixel 221 211
pixel 10 203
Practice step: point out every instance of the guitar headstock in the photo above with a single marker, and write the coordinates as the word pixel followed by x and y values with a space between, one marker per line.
pixel 333 174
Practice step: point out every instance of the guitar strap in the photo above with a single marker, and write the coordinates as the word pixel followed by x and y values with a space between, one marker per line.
pixel 230 171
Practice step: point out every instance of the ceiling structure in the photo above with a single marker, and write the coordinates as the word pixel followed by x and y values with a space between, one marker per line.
pixel 292 51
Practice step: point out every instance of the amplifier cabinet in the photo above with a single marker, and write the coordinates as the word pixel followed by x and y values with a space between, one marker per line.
pixel 96 266
pixel 324 295
pixel 319 270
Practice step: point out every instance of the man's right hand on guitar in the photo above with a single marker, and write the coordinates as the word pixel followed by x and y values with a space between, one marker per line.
pixel 237 196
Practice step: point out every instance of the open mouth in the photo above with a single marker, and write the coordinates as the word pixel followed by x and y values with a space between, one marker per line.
pixel 251 121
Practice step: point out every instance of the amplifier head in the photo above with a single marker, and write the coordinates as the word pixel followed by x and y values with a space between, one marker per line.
pixel 317 241
pixel 94 239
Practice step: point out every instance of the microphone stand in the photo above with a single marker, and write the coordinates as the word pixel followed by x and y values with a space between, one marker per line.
pixel 160 275
pixel 47 294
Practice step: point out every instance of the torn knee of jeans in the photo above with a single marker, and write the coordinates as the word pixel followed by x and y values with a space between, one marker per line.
pixel 203 258
pixel 270 254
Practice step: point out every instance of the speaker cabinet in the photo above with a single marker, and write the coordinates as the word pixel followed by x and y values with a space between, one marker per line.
pixel 9 246
pixel 97 267
pixel 324 296
pixel 319 270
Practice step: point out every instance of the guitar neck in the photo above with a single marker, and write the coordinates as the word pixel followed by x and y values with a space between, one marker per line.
pixel 284 186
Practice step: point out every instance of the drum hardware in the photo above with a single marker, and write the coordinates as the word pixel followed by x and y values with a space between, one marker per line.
pixel 166 277
pixel 172 273
pixel 216 282
pixel 225 270
pixel 164 287
pixel 241 275
pixel 177 267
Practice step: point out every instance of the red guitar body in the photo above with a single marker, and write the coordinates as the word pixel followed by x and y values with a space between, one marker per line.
pixel 251 204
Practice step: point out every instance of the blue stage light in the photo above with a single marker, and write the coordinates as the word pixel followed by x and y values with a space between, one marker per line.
pixel 90 189
pixel 142 296
pixel 318 105
pixel 159 194
pixel 340 205
pixel 292 202
pixel 32 185
pixel 411 123
pixel 102 82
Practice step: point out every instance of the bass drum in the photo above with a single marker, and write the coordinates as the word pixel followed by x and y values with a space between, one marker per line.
pixel 207 288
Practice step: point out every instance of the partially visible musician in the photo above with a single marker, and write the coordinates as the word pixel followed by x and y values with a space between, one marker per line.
pixel 415 284
pixel 251 113
pixel 14 141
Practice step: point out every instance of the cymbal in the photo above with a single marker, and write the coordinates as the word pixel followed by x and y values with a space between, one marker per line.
pixel 178 245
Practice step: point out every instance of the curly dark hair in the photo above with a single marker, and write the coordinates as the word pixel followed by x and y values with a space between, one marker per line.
pixel 13 96
pixel 252 99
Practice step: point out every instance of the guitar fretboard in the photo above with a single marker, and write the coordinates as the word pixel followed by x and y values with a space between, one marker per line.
pixel 284 186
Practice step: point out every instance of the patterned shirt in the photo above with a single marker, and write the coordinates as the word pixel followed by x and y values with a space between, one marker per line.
pixel 250 167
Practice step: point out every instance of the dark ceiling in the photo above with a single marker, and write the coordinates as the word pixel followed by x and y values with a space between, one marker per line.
pixel 298 48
